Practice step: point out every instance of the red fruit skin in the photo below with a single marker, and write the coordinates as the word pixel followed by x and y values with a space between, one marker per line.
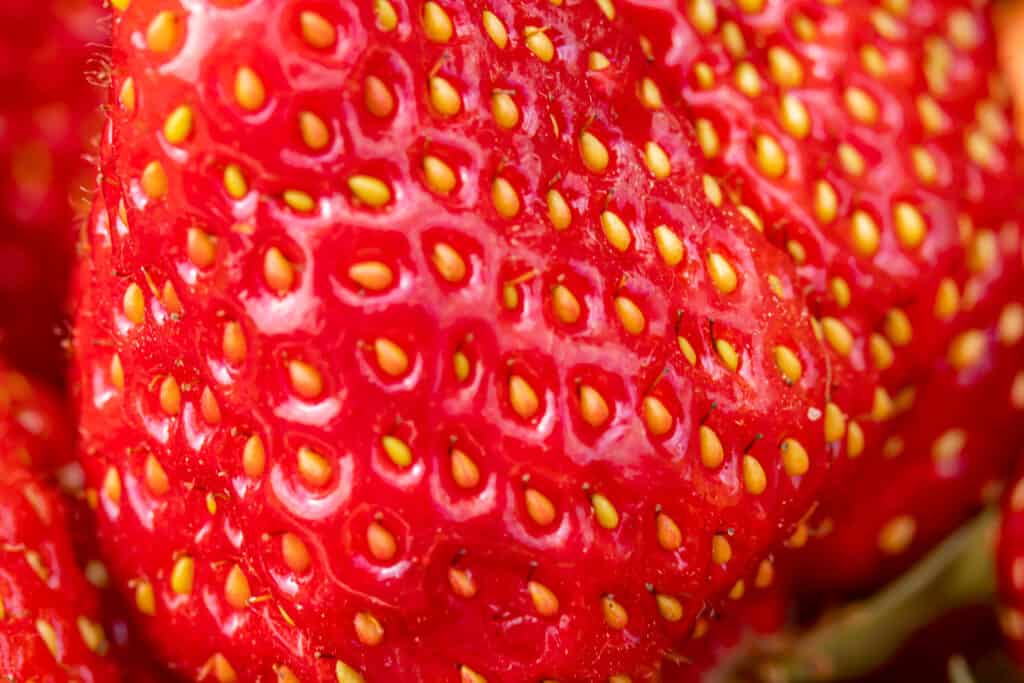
pixel 1010 566
pixel 965 206
pixel 49 118
pixel 169 466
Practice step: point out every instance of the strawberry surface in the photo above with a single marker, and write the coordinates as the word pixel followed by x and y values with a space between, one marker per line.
pixel 413 344
pixel 872 142
pixel 48 118
pixel 1010 567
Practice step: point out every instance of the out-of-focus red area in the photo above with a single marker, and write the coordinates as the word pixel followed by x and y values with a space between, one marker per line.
pixel 1010 22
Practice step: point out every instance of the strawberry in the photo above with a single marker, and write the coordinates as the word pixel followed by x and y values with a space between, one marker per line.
pixel 413 344
pixel 48 116
pixel 872 143
pixel 1010 567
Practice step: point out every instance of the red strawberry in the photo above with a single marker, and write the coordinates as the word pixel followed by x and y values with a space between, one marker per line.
pixel 48 116
pixel 412 348
pixel 50 630
pixel 896 109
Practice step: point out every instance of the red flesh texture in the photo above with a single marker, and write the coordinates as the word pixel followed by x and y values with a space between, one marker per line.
pixel 324 320
pixel 1010 566
pixel 33 530
pixel 48 116
pixel 896 277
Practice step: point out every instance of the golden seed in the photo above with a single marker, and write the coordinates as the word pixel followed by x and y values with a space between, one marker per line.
pixel 565 305
pixel 826 202
pixel 771 158
pixel 314 131
pixel 544 600
pixel 754 478
pixel 721 549
pixel 381 542
pixel 932 117
pixel 377 98
pixel 711 452
pixel 670 537
pixel 732 38
pixel 597 61
pixel 397 450
pixel 924 165
pixel 897 327
pixel 112 485
pixel 840 291
pixel 539 43
pixel 462 583
pixel 788 363
pixel 439 176
pixel 278 272
pixel 372 275
pixel 464 471
pixel 523 398
pixel 837 335
pixel 249 91
pixel 615 231
pixel 835 423
pixel 467 675
pixel 183 575
pixel 593 152
pixel 727 354
pixel 656 416
pixel 254 457
pixel 317 31
pixel 605 513
pixel 896 535
pixel 785 68
pixel 854 440
pixel 794 458
pixel 298 201
pixel 882 406
pixel 949 445
pixel 505 198
pixel 607 8
pixel 723 275
pixel 864 233
pixel 369 190
pixel 387 17
pixel 345 673
pixel 947 299
pixel 804 28
pixel 1011 324
pixel 737 591
pixel 687 350
pixel 134 305
pixel 851 160
pixel 145 599
pixel 657 161
pixel 444 97
pixel 449 263
pixel 910 225
pixel 881 350
pixel 712 190
pixel 539 507
pixel 305 379
pixel 92 635
pixel 314 468
pixel 982 251
pixel 704 76
pixel 703 16
pixel 504 110
pixel 116 372
pixel 593 408
pixel 793 116
pixel 669 608
pixel 156 477
pixel 967 349
pixel 747 80
pixel 48 635
pixel 495 29
pixel 368 629
pixel 873 61
pixel 391 358
pixel 154 180
pixel 650 94
pixel 236 588
pixel 294 553
pixel 162 32
pixel 860 105
pixel 558 210
pixel 670 247
pixel 615 614
pixel 170 396
pixel 630 315
pixel 436 23
pixel 707 137
pixel 201 248
pixel 178 125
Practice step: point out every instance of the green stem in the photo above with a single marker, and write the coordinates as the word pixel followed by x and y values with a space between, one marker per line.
pixel 862 636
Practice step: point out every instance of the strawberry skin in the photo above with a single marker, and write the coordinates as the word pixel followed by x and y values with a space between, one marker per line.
pixel 49 115
pixel 1010 567
pixel 413 345
pixel 897 112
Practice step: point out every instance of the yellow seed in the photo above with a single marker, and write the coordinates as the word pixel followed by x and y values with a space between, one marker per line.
pixel 462 583
pixel 837 335
pixel 1011 324
pixel 704 75
pixel 295 554
pixel 523 398
pixel 657 161
pixel 963 29
pixel 732 38
pixel 861 105
pixel 134 305
pixel 882 405
pixel 1017 391
pixel 754 478
pixel 630 315
pixel 788 363
pixel 747 80
pixel 539 507
pixel 786 69
pixel 178 125
pixel 387 17
pixel 669 608
pixel 687 349
pixel 650 94
pixel 881 350
pixel 372 275
pixel 854 440
pixel 712 190
pixel 120 5
pixel 249 91
pixel 835 423
pixel 723 275
pixel 305 380
pixel 840 291
pixel 368 629
pixel 48 635
pixel 449 263
pixel 539 43
pixel 201 248
pixel 391 358
pixel 721 549
pixel 826 202
pixel 505 198
pixel 771 158
pixel 317 31
pixel 593 152
pixel 703 16
pixel 607 8
pixel 397 451
pixel 254 457
pixel 112 485
pixel 182 575
pixel 314 131
pixel 897 327
pixel 92 635
pixel 949 445
pixel 298 200
pixel 794 457
pixel 615 614
pixel 615 231
pixel 145 599
pixel 738 590
pixel 967 349
pixel 669 535
pixel 565 305
pixel 932 117
pixel 155 476
pixel 924 165
pixel 873 61
pixel 369 190
pixel 170 396
pixel 804 28
pixel 504 110
pixel 444 97
pixel 467 675
pixel 670 247
pixel 711 453
pixel 593 407
pixel 864 233
pixel 794 117
pixel 727 353
pixel 346 674
pixel 381 542
pixel 982 252
pixel 436 23
pixel 116 372
pixel 464 471
pixel 851 160
pixel 605 513
pixel 314 468
pixel 162 32
pixel 896 535
pixel 707 138
pixel 154 180
pixel 236 588
pixel 597 61
pixel 558 210
pixel 656 416
pixel 495 29
pixel 910 225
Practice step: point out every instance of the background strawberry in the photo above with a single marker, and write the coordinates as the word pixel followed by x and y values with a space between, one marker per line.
pixel 48 119
pixel 413 345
